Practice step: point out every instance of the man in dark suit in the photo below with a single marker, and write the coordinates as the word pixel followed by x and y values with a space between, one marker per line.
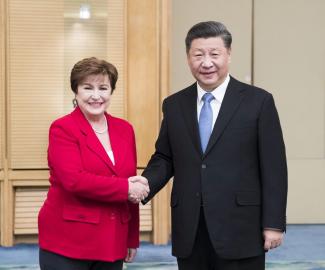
pixel 222 142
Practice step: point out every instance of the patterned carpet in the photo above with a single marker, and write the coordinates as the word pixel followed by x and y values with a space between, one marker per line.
pixel 296 266
pixel 172 266
pixel 303 249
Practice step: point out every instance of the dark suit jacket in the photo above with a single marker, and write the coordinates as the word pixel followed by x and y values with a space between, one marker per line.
pixel 87 214
pixel 241 179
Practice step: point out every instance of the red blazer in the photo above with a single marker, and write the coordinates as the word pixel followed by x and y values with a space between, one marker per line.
pixel 87 214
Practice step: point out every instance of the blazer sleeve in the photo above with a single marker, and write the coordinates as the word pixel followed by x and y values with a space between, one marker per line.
pixel 134 225
pixel 160 167
pixel 273 166
pixel 66 170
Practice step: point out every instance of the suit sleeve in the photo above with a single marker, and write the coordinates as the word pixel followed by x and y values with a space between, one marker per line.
pixel 66 168
pixel 160 167
pixel 273 167
pixel 134 225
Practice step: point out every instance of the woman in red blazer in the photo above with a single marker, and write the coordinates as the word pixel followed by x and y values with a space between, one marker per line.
pixel 88 220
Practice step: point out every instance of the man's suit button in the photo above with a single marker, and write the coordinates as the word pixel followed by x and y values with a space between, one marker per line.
pixel 197 194
pixel 203 166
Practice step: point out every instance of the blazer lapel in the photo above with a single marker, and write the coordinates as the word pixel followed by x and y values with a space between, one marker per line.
pixel 189 109
pixel 230 103
pixel 118 143
pixel 92 141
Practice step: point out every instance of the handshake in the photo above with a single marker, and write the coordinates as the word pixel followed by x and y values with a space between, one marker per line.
pixel 138 188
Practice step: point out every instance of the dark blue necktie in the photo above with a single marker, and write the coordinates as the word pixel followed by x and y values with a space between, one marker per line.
pixel 205 120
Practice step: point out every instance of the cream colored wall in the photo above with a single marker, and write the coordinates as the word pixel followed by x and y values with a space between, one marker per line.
pixel 288 55
pixel 290 62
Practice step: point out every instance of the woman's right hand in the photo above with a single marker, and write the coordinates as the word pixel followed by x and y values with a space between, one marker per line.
pixel 131 255
pixel 138 188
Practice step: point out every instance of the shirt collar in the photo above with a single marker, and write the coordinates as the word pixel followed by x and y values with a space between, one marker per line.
pixel 218 92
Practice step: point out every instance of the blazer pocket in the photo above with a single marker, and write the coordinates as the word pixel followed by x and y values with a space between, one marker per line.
pixel 248 198
pixel 80 214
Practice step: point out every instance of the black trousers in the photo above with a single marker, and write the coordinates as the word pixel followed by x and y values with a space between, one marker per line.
pixel 203 256
pixel 52 261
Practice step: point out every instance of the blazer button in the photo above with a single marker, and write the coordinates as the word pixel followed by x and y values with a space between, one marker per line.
pixel 203 166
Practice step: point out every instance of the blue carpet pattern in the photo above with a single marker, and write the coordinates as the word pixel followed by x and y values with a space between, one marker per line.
pixel 303 249
pixel 173 266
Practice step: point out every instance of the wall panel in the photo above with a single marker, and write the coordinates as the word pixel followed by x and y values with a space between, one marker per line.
pixel 116 50
pixel 146 217
pixel 35 57
pixel 147 85
pixel 143 74
pixel 42 52
pixel 29 200
pixel 2 80
pixel 82 38
pixel 290 62
pixel 101 36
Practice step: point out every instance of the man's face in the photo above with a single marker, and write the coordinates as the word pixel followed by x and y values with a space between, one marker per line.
pixel 209 60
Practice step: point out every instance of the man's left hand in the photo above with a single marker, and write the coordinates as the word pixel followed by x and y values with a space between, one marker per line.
pixel 272 238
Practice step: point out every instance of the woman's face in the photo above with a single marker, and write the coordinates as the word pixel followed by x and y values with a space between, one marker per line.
pixel 93 95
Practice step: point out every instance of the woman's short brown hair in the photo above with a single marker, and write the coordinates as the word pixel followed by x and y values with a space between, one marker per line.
pixel 92 66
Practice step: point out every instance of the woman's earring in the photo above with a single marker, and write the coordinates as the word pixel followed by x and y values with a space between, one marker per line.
pixel 74 102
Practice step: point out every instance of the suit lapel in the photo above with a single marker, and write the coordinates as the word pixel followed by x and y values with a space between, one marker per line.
pixel 230 103
pixel 189 109
pixel 92 141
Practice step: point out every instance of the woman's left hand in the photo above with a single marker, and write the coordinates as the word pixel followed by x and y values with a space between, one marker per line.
pixel 131 255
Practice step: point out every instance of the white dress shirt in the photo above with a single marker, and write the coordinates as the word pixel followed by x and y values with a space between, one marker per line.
pixel 218 94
